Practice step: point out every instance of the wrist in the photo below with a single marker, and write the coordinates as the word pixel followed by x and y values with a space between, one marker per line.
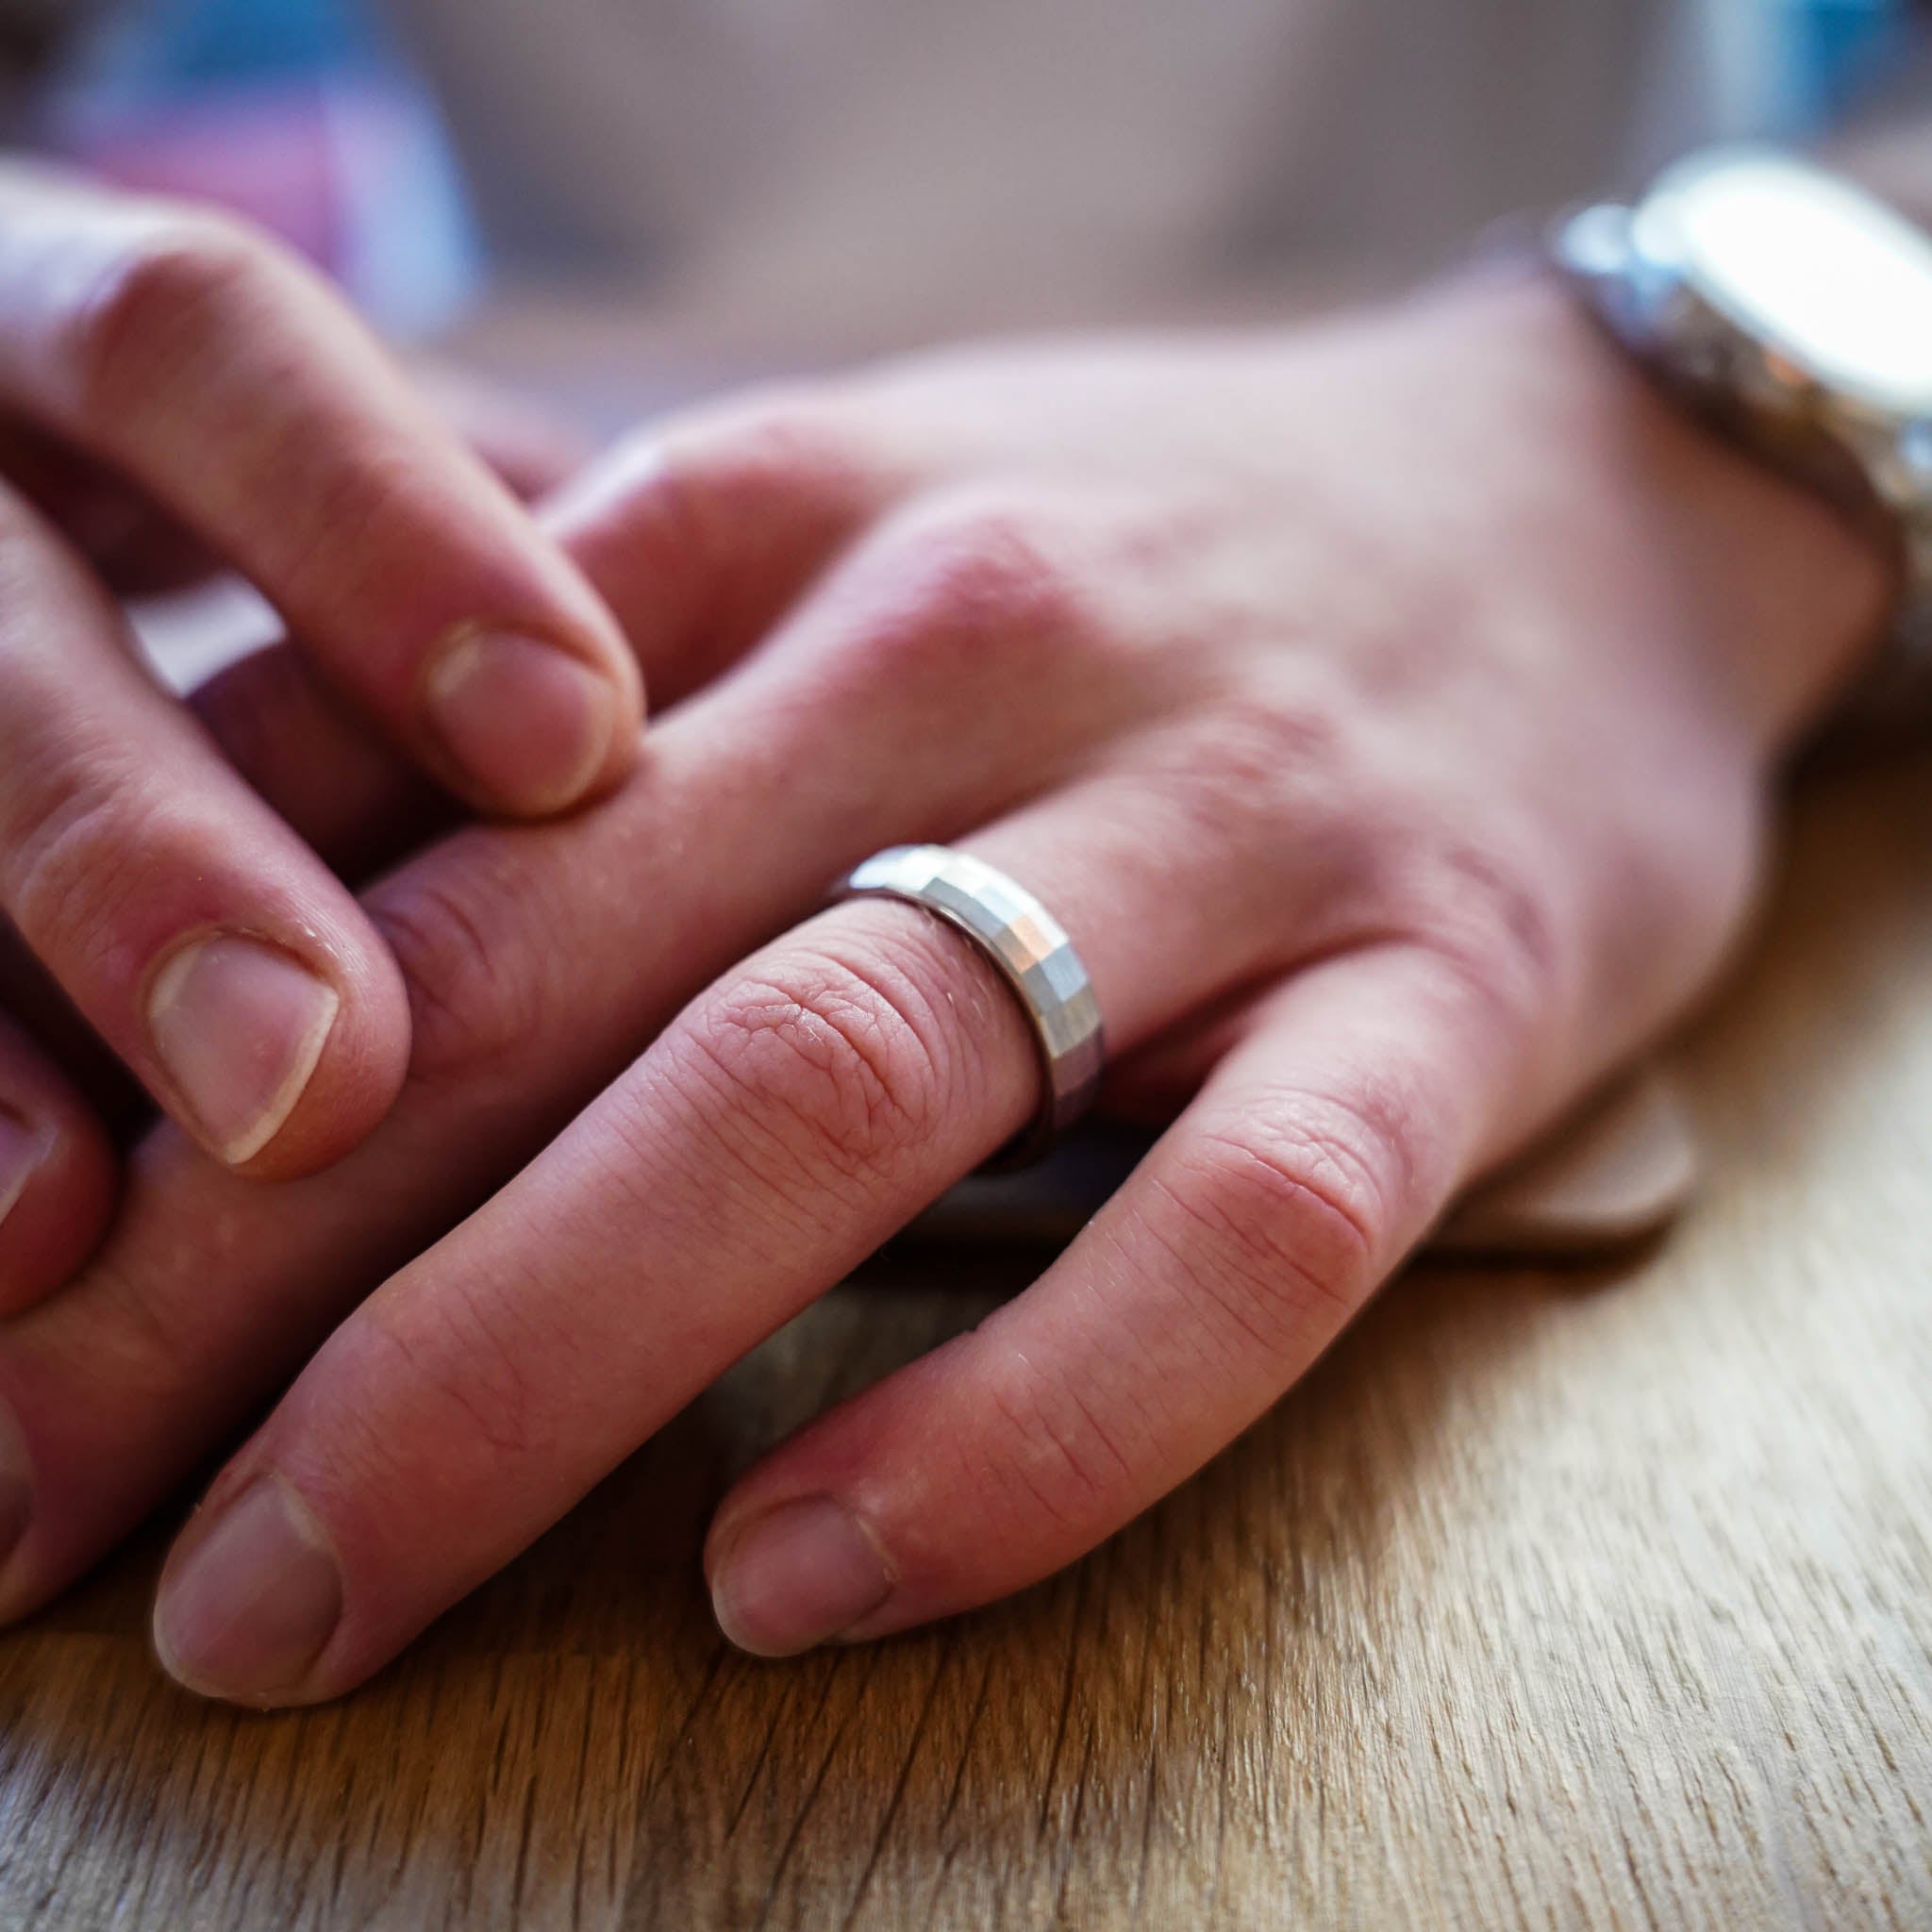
pixel 1782 595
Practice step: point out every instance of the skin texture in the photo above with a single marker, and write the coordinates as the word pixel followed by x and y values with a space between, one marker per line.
pixel 1387 712
pixel 177 392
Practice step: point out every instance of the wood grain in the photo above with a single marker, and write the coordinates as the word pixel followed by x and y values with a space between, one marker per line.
pixel 1596 1598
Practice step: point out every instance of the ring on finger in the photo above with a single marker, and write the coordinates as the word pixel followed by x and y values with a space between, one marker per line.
pixel 1034 957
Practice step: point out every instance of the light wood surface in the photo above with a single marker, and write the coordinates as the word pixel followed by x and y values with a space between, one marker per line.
pixel 1589 1598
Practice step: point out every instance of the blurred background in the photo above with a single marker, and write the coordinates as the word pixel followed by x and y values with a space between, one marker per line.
pixel 852 172
pixel 618 205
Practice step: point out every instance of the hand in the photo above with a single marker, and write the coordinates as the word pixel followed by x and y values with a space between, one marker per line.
pixel 176 394
pixel 1387 711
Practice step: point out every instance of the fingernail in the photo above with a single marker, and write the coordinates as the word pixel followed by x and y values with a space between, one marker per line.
pixel 16 1487
pixel 795 1576
pixel 239 1026
pixel 529 724
pixel 249 1609
pixel 21 1149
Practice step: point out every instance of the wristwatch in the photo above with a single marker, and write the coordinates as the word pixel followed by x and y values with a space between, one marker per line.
pixel 1793 311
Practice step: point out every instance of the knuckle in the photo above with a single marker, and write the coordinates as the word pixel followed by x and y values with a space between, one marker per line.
pixel 89 852
pixel 1004 565
pixel 777 443
pixel 718 476
pixel 478 993
pixel 149 1330
pixel 1254 764
pixel 711 516
pixel 828 1066
pixel 1483 913
pixel 967 579
pixel 172 295
pixel 1283 1220
pixel 1060 1453
pixel 462 1360
pixel 1288 790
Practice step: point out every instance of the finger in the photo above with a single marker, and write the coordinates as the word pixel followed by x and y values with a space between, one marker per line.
pixel 1315 1157
pixel 538 962
pixel 139 550
pixel 36 1006
pixel 1152 1085
pixel 195 933
pixel 700 535
pixel 57 1174
pixel 221 377
pixel 701 531
pixel 354 800
pixel 785 1126
pixel 531 443
pixel 136 548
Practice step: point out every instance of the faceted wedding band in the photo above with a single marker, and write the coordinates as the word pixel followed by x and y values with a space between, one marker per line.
pixel 1035 958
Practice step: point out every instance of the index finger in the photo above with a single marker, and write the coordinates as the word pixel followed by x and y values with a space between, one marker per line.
pixel 223 377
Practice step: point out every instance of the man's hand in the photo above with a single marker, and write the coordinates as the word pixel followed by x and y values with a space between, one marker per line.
pixel 1387 712
pixel 176 394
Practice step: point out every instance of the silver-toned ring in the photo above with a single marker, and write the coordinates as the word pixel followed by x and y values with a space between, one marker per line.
pixel 1035 958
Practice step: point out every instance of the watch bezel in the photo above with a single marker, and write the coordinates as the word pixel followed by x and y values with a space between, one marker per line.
pixel 1868 452
pixel 1787 365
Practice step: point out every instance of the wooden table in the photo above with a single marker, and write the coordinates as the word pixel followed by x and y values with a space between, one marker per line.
pixel 1586 1598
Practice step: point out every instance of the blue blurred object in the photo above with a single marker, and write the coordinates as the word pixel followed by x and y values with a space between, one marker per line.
pixel 192 43
pixel 1833 52
pixel 303 114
